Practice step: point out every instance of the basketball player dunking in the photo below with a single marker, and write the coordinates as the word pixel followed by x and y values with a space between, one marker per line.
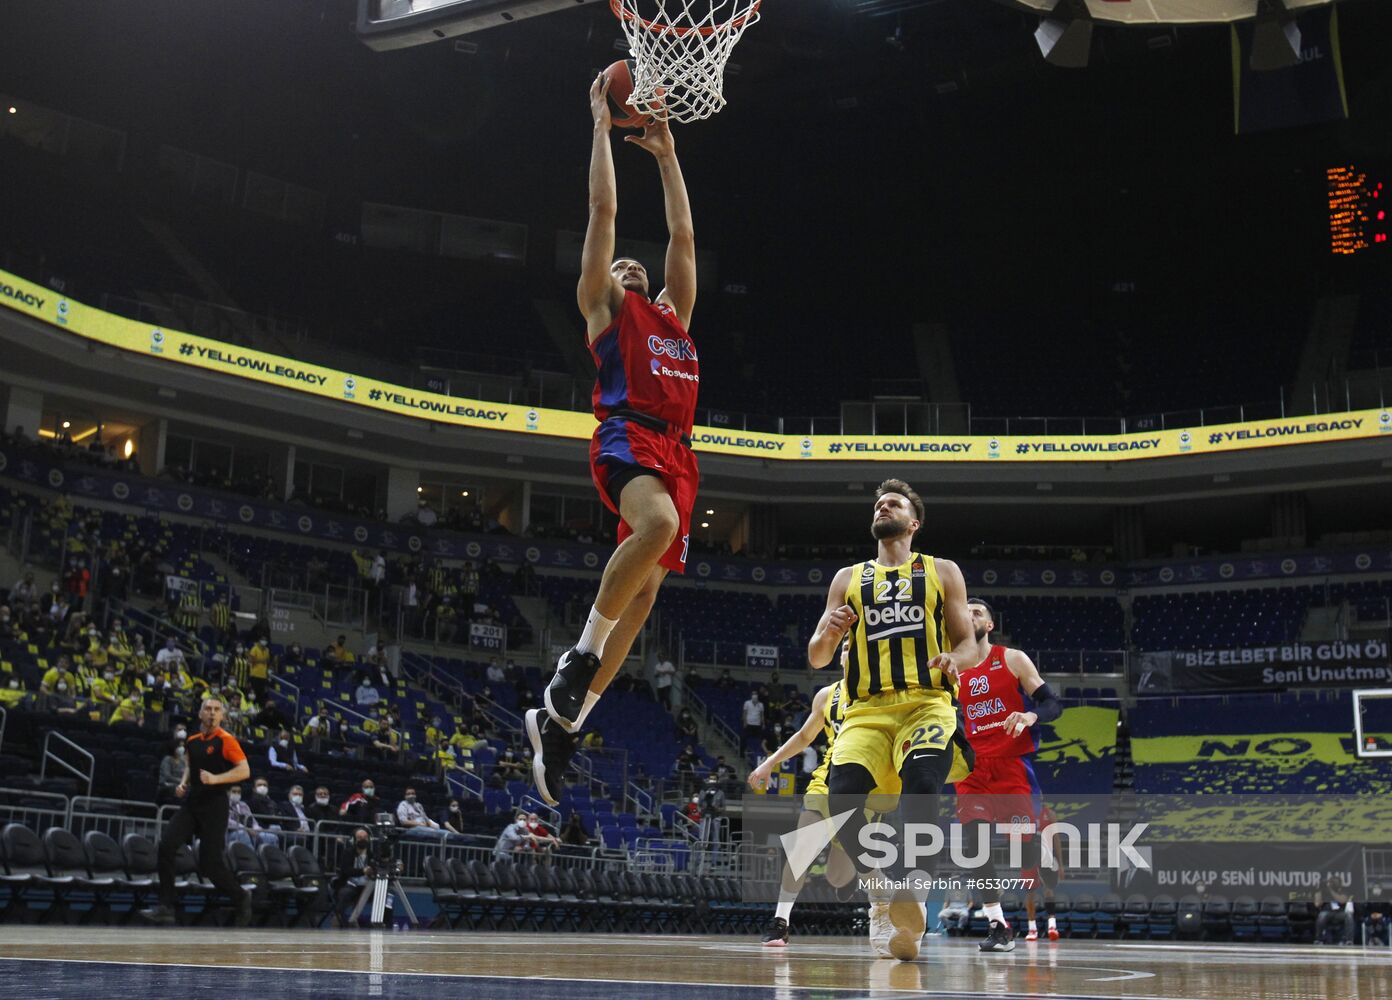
pixel 909 635
pixel 640 455
pixel 1002 787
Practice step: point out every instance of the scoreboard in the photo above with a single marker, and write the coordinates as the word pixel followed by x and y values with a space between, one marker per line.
pixel 1357 209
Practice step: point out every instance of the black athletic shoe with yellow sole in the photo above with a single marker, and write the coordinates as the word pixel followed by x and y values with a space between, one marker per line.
pixel 552 748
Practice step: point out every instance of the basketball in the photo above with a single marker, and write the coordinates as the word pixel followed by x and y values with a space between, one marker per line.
pixel 620 76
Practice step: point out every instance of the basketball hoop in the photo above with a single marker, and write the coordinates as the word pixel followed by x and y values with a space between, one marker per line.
pixel 679 49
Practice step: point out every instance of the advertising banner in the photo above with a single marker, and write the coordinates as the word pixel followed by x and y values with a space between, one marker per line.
pixel 350 388
pixel 1337 663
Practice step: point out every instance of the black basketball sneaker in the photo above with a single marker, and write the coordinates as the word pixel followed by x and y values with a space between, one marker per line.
pixel 777 934
pixel 565 695
pixel 552 748
pixel 999 938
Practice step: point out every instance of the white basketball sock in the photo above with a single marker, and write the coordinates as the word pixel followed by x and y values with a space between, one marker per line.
pixel 597 629
pixel 591 700
pixel 784 910
pixel 994 912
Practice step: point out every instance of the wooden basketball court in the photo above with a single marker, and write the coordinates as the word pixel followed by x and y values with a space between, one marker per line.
pixel 121 963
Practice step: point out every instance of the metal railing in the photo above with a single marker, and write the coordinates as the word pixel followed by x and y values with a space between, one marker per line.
pixel 327 838
pixel 48 755
pixel 703 711
pixel 341 607
pixel 465 783
pixel 33 809
pixel 279 681
pixel 113 817
pixel 1083 662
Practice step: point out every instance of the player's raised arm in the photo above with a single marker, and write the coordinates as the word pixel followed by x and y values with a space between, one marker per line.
pixel 680 276
pixel 795 744
pixel 836 621
pixel 598 295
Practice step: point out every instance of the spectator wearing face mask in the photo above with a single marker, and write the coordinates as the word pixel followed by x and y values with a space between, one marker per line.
pixel 322 807
pixel 283 756
pixel 259 668
pixel 294 811
pixel 411 817
pixel 513 840
pixel 130 711
pixel 95 653
pixel 171 772
pixel 12 692
pixel 242 826
pixel 61 673
pixel 360 807
pixel 104 694
pixel 239 667
pixel 261 803
pixel 452 818
pixel 170 654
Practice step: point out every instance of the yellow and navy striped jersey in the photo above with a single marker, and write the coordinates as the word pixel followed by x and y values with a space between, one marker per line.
pixel 898 629
pixel 834 713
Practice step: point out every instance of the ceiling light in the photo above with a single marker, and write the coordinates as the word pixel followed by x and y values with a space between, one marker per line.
pixel 705 524
pixel 13 109
pixel 67 424
pixel 130 447
pixel 420 489
pixel 710 512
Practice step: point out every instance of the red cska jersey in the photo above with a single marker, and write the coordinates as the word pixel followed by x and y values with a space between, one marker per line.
pixel 989 692
pixel 647 362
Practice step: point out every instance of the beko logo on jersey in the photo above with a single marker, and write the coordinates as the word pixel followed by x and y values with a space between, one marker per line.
pixel 898 613
pixel 677 350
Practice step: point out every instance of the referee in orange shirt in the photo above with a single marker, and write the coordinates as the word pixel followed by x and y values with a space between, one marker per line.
pixel 213 760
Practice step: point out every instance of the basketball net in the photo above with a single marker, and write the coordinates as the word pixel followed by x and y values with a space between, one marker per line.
pixel 679 49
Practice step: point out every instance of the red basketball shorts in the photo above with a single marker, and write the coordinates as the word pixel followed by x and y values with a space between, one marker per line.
pixel 619 448
pixel 999 790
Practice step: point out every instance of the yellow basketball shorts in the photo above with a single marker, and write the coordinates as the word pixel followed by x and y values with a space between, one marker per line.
pixel 880 732
pixel 884 799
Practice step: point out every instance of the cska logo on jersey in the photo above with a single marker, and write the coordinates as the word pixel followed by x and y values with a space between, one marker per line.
pixel 997 663
pixel 677 350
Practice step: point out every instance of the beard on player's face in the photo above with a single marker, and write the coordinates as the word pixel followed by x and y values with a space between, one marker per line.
pixel 885 528
pixel 981 631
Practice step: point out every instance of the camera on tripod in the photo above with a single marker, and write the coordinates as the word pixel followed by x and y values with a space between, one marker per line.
pixel 382 836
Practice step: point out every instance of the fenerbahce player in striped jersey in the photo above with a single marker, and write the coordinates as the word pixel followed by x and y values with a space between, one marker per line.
pixel 904 616
pixel 1002 787
pixel 640 456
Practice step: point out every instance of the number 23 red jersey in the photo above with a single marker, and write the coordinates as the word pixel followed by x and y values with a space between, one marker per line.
pixel 989 692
